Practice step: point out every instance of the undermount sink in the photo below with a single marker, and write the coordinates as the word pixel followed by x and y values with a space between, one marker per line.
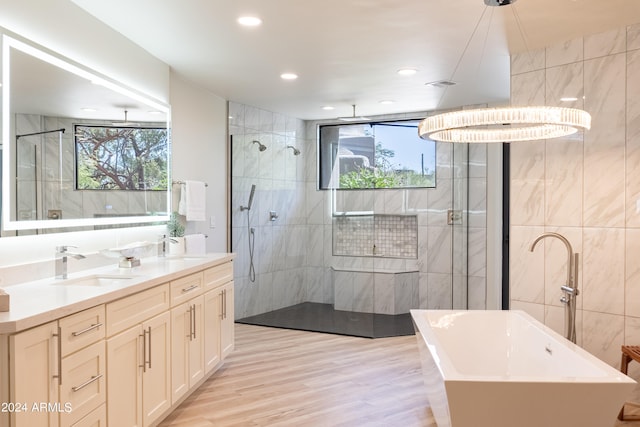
pixel 94 280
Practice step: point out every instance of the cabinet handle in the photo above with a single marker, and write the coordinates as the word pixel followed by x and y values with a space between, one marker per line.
pixel 149 329
pixel 224 302
pixel 190 334
pixel 194 322
pixel 59 336
pixel 85 330
pixel 86 383
pixel 189 289
pixel 144 351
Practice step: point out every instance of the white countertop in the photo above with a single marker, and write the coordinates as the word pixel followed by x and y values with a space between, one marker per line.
pixel 40 301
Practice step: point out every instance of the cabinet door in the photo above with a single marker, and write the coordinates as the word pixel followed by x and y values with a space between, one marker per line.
pixel 124 382
pixel 212 318
pixel 187 346
pixel 34 369
pixel 156 376
pixel 181 321
pixel 227 331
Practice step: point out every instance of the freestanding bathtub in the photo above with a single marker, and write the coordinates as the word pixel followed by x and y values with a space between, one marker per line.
pixel 506 369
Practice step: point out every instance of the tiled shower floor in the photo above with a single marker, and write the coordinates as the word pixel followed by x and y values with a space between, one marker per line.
pixel 309 316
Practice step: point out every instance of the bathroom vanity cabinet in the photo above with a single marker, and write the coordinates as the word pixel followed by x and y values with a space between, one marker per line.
pixel 139 358
pixel 58 371
pixel 125 362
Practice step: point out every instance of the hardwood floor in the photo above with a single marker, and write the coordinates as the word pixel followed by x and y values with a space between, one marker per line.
pixel 280 377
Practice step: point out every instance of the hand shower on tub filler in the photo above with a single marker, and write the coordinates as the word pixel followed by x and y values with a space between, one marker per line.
pixel 251 233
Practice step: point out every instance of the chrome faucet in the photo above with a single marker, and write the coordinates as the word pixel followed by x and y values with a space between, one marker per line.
pixel 62 253
pixel 570 288
pixel 162 250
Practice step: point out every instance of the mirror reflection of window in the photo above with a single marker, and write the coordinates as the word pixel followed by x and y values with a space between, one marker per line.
pixel 121 158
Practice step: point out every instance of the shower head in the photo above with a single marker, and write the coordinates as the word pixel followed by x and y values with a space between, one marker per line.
pixel 295 150
pixel 261 147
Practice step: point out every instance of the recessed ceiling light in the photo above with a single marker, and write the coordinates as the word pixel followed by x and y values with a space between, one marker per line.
pixel 407 71
pixel 386 101
pixel 249 21
pixel 288 76
pixel 89 110
pixel 327 107
pixel 568 99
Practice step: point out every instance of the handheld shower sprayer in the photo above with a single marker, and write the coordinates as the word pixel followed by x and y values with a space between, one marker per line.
pixel 248 207
pixel 250 230
pixel 261 146
pixel 295 150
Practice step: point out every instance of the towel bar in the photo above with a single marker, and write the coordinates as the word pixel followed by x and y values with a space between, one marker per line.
pixel 182 182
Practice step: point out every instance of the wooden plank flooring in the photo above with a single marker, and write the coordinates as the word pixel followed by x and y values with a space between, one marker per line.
pixel 280 377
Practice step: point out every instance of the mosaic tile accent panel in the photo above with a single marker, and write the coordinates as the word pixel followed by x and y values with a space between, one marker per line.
pixel 385 236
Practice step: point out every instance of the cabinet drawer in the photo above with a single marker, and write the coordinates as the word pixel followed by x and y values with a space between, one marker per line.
pixel 185 288
pixel 96 418
pixel 83 385
pixel 81 329
pixel 218 275
pixel 136 308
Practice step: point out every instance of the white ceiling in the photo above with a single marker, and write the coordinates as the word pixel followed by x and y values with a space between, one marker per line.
pixel 348 51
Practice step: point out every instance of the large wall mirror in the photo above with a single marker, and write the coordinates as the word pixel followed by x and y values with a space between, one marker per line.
pixel 78 149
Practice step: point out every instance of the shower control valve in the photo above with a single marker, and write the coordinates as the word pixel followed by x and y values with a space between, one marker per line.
pixel 273 215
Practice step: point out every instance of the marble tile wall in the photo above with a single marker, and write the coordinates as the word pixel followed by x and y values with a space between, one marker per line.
pixel 280 246
pixel 293 255
pixel 586 187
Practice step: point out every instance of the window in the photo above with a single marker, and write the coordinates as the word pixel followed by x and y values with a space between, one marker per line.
pixel 121 158
pixel 375 155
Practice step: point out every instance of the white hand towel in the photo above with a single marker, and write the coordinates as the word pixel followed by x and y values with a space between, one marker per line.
pixel 182 204
pixel 195 200
pixel 195 244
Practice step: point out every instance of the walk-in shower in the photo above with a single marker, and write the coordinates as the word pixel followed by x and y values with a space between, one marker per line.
pixel 350 260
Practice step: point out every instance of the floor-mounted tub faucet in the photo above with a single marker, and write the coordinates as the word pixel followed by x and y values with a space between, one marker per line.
pixel 62 254
pixel 570 288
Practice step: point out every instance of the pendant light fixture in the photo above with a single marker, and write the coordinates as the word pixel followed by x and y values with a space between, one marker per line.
pixel 506 124
pixel 353 118
pixel 126 122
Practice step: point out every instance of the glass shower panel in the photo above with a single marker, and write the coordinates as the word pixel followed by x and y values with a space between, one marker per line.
pixel 28 151
pixel 352 251
pixel 458 218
